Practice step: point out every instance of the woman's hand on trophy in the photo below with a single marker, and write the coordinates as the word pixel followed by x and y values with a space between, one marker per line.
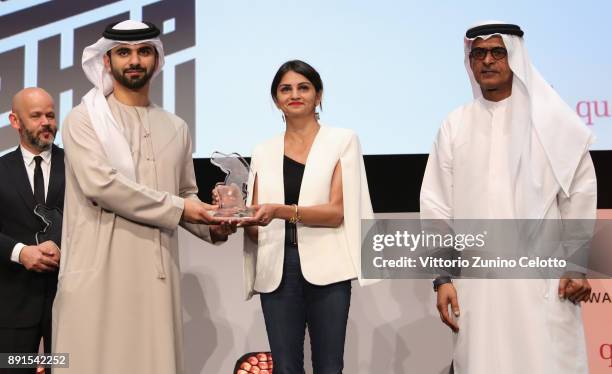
pixel 263 215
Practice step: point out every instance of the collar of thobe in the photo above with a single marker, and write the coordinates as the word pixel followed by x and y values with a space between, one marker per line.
pixel 493 106
pixel 28 157
pixel 111 137
pixel 112 98
pixel 535 104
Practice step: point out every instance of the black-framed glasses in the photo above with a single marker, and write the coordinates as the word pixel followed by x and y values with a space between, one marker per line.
pixel 481 53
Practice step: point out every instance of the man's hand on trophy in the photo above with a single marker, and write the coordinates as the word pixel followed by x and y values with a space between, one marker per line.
pixel 215 193
pixel 220 232
pixel 198 212
pixel 40 258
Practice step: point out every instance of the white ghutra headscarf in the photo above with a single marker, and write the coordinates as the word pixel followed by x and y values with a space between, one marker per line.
pixel 113 141
pixel 534 104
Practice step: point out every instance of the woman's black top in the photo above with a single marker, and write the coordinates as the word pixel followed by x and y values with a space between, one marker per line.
pixel 293 172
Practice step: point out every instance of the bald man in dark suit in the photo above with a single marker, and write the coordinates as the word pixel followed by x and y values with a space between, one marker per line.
pixel 32 174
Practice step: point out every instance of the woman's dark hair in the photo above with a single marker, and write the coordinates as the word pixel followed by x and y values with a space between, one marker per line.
pixel 299 67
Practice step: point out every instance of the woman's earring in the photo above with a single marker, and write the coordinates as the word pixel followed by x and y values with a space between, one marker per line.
pixel 317 116
pixel 283 117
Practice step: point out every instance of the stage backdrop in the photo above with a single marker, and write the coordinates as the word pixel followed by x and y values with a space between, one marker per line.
pixel 392 70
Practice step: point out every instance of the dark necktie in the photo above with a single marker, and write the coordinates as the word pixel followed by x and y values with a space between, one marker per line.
pixel 39 182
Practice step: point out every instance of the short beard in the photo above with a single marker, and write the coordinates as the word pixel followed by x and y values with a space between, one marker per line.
pixel 132 84
pixel 34 139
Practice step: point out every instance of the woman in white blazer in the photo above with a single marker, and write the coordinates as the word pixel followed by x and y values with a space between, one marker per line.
pixel 310 192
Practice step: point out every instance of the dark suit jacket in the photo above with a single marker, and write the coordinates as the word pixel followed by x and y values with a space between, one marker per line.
pixel 24 294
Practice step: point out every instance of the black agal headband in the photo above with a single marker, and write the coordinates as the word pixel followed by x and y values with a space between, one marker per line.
pixel 494 28
pixel 131 35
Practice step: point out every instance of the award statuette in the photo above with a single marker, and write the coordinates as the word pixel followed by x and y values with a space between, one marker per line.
pixel 233 191
pixel 51 219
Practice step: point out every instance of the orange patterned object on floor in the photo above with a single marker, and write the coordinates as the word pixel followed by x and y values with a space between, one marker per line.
pixel 254 363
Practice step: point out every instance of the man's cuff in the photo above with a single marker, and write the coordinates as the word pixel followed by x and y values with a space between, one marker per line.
pixel 16 252
pixel 177 213
pixel 440 281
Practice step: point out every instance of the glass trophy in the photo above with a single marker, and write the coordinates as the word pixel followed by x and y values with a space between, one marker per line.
pixel 232 192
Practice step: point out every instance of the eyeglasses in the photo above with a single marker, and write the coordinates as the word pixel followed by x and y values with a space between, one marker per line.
pixel 481 53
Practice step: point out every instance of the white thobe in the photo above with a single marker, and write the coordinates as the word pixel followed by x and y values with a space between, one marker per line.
pixel 515 325
pixel 118 303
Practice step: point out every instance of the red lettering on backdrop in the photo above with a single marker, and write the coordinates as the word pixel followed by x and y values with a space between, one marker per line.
pixel 589 110
pixel 583 108
pixel 605 351
pixel 604 104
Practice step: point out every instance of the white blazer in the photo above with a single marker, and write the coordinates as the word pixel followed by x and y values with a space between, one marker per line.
pixel 327 254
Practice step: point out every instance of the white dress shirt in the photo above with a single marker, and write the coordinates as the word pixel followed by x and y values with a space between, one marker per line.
pixel 30 164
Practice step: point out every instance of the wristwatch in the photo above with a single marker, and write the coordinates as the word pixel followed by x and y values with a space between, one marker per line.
pixel 440 281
